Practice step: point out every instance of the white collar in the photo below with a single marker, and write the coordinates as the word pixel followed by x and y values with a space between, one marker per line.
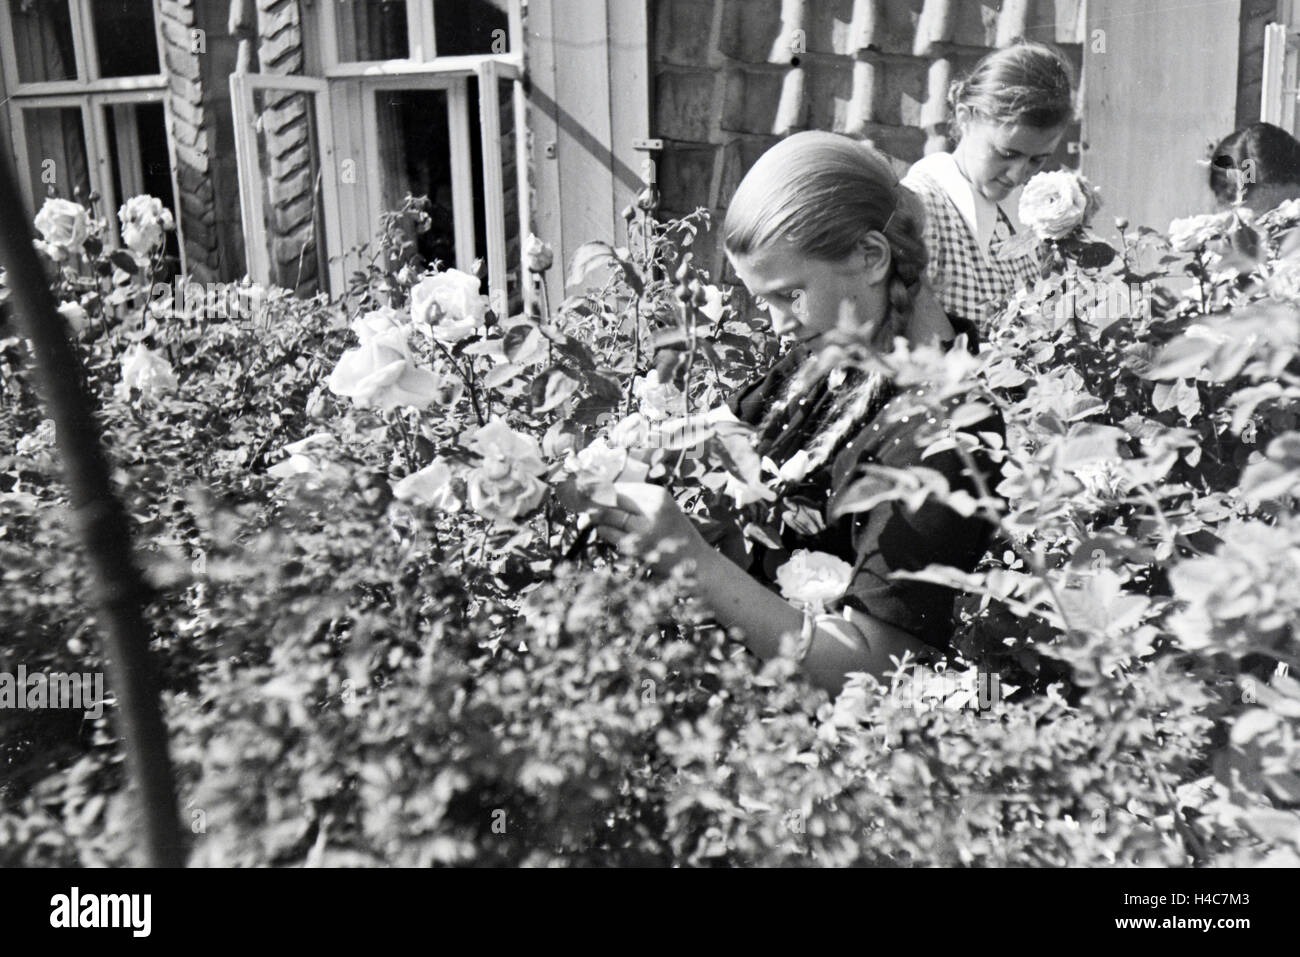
pixel 979 212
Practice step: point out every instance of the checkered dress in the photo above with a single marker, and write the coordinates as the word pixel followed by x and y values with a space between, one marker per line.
pixel 967 283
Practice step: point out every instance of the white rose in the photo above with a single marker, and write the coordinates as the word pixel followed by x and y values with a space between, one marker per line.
pixel 435 485
pixel 658 400
pixel 147 371
pixel 1192 232
pixel 813 579
pixel 538 256
pixel 1055 204
pixel 377 321
pixel 596 466
pixel 506 483
pixel 383 373
pixel 449 305
pixel 76 316
pixel 144 220
pixel 63 223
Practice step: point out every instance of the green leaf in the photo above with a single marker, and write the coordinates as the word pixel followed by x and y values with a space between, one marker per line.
pixel 124 261
pixel 551 388
pixel 588 258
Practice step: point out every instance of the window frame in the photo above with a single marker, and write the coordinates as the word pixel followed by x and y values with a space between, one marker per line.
pixel 252 209
pixel 350 85
pixel 91 93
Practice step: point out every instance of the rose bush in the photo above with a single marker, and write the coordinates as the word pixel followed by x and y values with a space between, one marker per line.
pixel 385 641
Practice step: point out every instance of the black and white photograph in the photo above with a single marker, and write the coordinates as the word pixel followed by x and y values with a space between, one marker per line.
pixel 651 434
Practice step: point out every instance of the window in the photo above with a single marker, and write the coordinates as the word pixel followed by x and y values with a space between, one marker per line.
pixel 407 96
pixel 87 103
pixel 1281 73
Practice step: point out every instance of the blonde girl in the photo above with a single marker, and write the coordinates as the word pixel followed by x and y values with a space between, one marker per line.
pixel 823 233
pixel 1009 116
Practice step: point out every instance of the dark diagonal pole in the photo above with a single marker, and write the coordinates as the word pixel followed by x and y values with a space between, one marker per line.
pixel 120 592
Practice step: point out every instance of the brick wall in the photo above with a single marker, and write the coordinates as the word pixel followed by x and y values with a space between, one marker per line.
pixel 731 77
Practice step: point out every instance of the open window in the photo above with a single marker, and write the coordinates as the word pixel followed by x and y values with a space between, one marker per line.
pixel 409 97
pixel 284 148
pixel 87 104
pixel 1281 74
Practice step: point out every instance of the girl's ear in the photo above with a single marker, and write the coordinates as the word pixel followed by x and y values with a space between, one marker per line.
pixel 877 257
pixel 961 117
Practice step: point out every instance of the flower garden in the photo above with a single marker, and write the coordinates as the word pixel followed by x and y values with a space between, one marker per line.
pixel 386 635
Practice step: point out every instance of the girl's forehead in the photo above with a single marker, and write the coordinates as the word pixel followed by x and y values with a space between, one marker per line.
pixel 771 267
pixel 1025 139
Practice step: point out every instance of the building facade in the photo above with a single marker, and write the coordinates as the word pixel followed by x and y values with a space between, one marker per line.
pixel 280 131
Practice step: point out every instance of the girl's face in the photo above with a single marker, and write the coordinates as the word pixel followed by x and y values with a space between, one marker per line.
pixel 807 297
pixel 998 157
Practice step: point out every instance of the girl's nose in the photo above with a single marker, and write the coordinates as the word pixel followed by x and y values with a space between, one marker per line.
pixel 1020 170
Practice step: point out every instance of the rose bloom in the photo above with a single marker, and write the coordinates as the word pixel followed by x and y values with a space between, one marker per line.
pixel 435 485
pixel 370 324
pixel 658 400
pixel 1055 204
pixel 147 371
pixel 813 579
pixel 538 256
pixel 383 373
pixel 76 316
pixel 449 305
pixel 1192 232
pixel 63 223
pixel 144 219
pixel 506 484
pixel 598 465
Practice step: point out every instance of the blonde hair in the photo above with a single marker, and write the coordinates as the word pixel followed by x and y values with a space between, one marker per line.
pixel 822 193
pixel 1027 83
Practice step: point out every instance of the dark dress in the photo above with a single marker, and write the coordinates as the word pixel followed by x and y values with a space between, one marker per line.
pixel 890 536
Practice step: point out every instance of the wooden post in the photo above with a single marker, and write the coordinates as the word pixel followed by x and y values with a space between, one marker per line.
pixel 120 590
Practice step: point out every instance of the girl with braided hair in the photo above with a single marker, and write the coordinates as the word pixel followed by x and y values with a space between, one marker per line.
pixel 1009 116
pixel 821 231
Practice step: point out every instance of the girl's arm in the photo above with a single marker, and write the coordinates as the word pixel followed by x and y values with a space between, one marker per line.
pixel 838 647
pixel 648 522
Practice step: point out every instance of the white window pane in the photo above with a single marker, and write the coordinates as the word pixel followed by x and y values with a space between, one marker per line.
pixel 371 30
pixel 124 37
pixel 43 40
pixel 56 153
pixel 463 27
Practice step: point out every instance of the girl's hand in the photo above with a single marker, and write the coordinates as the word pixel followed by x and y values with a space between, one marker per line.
pixel 648 521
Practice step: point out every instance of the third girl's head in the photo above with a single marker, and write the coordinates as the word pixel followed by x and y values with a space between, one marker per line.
pixel 1009 116
pixel 1259 163
pixel 820 231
